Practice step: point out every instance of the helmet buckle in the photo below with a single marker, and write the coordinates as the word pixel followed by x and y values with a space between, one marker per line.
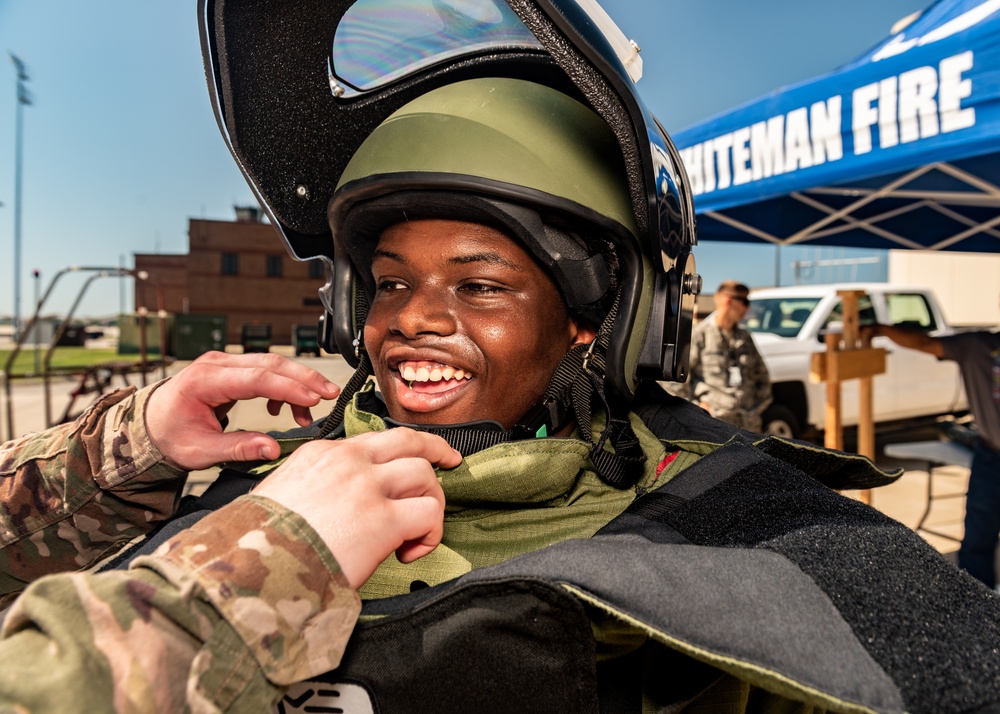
pixel 588 356
pixel 357 345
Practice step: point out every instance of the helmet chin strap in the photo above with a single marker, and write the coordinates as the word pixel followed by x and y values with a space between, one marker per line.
pixel 578 378
pixel 474 436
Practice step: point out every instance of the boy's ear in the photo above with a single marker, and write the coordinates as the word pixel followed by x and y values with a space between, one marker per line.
pixel 585 332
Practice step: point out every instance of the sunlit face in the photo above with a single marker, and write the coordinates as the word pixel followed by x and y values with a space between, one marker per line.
pixel 734 304
pixel 464 326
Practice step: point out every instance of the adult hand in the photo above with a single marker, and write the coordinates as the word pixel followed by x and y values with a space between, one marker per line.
pixel 183 415
pixel 870 331
pixel 367 496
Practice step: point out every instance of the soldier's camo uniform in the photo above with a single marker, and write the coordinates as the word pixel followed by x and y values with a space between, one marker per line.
pixel 216 620
pixel 728 374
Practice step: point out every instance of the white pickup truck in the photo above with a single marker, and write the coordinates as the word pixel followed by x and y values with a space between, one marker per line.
pixel 788 325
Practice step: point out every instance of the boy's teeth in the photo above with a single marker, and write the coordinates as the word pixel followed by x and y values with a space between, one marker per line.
pixel 409 373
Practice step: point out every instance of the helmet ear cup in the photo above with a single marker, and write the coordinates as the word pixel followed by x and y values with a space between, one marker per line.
pixel 326 339
pixel 341 324
pixel 666 348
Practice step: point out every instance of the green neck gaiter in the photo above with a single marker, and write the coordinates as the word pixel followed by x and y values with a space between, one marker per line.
pixel 510 499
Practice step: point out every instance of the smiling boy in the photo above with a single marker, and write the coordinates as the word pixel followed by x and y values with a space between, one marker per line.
pixel 507 233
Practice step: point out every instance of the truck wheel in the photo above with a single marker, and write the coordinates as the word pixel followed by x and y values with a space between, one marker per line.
pixel 779 420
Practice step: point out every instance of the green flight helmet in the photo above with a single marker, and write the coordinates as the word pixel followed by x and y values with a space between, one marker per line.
pixel 521 157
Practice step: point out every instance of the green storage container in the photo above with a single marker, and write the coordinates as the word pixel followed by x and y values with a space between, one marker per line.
pixel 255 336
pixel 305 339
pixel 198 334
pixel 129 335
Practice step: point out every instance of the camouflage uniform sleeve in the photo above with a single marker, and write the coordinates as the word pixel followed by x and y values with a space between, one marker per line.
pixel 695 377
pixel 756 380
pixel 80 491
pixel 219 619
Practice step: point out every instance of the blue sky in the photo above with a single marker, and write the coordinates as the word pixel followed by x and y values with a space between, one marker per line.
pixel 121 147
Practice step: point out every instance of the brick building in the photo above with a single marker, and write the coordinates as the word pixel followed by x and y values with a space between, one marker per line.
pixel 167 282
pixel 235 268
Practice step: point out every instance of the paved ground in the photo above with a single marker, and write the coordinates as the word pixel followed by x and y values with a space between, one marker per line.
pixel 905 500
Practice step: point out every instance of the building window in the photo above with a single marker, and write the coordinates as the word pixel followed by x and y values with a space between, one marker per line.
pixel 230 264
pixel 274 266
pixel 316 270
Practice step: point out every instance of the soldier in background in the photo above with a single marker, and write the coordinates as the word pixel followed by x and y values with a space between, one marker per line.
pixel 728 377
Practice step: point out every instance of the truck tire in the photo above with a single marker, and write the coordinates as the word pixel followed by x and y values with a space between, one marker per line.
pixel 779 420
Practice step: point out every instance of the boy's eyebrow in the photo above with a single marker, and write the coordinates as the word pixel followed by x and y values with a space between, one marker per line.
pixel 486 257
pixel 388 254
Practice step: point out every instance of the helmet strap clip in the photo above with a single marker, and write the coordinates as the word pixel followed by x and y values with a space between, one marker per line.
pixel 588 356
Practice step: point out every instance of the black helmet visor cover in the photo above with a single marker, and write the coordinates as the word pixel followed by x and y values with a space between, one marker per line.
pixel 292 119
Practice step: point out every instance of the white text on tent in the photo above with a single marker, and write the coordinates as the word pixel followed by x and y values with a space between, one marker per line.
pixel 916 104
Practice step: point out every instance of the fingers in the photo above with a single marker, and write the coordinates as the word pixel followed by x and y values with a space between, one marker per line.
pixel 182 419
pixel 367 496
pixel 205 449
pixel 422 527
pixel 416 509
pixel 245 446
pixel 231 384
pixel 386 446
pixel 262 375
pixel 302 415
pixel 409 478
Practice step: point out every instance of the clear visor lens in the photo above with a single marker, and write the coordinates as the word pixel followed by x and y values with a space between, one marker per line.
pixel 379 41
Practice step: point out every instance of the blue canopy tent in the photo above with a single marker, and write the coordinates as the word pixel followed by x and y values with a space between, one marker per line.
pixel 898 149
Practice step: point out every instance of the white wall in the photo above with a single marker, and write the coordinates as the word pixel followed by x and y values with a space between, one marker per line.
pixel 966 284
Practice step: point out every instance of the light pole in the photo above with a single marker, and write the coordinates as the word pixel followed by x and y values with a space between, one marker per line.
pixel 23 99
pixel 38 275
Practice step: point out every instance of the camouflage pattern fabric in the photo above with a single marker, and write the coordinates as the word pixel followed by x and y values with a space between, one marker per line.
pixel 219 619
pixel 78 492
pixel 728 374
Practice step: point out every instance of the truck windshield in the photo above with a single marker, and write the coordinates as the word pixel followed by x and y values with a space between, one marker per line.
pixel 780 316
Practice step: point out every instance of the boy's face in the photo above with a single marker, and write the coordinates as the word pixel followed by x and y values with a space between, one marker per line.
pixel 464 325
